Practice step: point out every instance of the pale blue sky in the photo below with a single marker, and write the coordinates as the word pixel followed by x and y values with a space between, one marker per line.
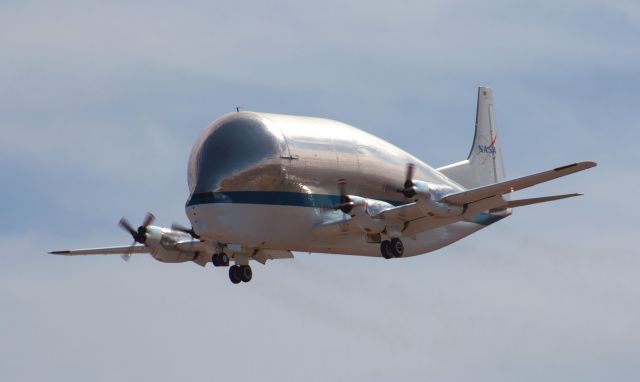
pixel 100 104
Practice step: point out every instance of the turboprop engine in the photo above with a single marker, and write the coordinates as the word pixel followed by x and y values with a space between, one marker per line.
pixel 165 245
pixel 423 194
pixel 361 209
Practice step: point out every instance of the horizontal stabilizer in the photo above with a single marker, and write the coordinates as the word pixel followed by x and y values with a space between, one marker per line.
pixel 479 193
pixel 526 202
pixel 103 251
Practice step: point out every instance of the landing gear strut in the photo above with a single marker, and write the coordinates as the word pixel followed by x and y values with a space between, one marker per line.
pixel 240 273
pixel 392 248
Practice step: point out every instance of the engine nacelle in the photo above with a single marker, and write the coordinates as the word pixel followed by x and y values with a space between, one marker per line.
pixel 424 198
pixel 420 190
pixel 172 256
pixel 361 210
pixel 162 243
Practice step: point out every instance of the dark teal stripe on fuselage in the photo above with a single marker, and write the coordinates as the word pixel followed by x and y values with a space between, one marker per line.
pixel 298 199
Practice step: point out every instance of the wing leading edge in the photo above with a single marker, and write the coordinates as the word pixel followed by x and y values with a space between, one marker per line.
pixel 103 251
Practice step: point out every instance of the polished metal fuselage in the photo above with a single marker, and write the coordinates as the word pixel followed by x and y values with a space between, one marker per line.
pixel 266 181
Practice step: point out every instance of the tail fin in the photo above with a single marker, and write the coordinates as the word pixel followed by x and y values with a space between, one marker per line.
pixel 486 156
pixel 484 165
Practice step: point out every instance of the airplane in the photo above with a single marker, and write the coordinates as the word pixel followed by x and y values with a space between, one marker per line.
pixel 262 186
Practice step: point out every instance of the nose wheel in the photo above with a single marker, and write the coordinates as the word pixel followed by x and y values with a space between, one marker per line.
pixel 240 273
pixel 392 248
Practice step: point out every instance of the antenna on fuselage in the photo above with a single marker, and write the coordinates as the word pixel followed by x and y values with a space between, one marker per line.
pixel 238 108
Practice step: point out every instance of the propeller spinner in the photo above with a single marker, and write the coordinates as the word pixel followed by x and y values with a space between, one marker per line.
pixel 139 235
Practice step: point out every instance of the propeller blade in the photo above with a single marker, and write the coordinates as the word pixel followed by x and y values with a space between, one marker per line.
pixel 342 187
pixel 407 188
pixel 139 235
pixel 346 205
pixel 124 223
pixel 179 227
pixel 148 219
pixel 409 179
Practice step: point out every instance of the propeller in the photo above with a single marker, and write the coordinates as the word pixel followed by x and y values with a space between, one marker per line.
pixel 179 227
pixel 408 190
pixel 346 205
pixel 139 235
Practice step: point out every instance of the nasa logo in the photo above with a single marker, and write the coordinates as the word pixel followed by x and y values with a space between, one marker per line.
pixel 487 149
pixel 491 149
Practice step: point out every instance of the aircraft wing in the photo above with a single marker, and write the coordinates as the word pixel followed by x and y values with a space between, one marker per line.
pixel 103 251
pixel 486 197
pixel 484 192
pixel 410 219
pixel 342 227
pixel 405 213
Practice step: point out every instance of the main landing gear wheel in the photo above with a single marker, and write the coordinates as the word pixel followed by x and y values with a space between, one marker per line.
pixel 234 274
pixel 397 248
pixel 240 273
pixel 220 259
pixel 392 248
pixel 245 273
pixel 385 249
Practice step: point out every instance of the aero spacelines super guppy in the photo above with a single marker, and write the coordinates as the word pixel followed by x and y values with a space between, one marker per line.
pixel 264 185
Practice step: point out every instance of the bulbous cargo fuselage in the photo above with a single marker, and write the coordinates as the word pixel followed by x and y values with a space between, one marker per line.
pixel 265 180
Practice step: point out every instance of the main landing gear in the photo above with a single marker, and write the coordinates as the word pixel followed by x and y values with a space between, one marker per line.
pixel 220 259
pixel 240 273
pixel 392 248
pixel 237 273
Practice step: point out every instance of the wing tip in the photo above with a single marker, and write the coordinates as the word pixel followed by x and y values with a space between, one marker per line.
pixel 59 252
pixel 583 166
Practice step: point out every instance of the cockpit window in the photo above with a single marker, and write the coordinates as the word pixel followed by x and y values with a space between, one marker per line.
pixel 228 149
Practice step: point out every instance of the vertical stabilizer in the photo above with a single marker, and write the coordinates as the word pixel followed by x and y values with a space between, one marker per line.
pixel 486 156
pixel 484 165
